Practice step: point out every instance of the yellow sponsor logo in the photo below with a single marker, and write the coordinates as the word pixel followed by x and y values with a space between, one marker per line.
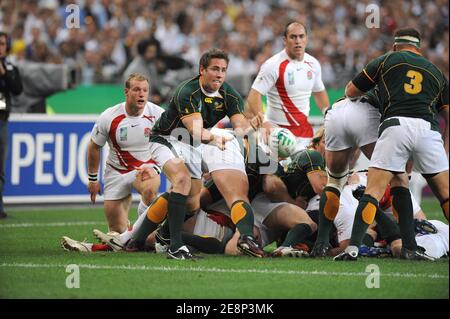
pixel 208 100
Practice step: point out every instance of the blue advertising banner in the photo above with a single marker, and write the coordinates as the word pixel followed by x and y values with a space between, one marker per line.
pixel 47 159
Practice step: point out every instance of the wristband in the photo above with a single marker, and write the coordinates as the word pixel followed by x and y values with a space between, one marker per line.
pixel 156 168
pixel 93 177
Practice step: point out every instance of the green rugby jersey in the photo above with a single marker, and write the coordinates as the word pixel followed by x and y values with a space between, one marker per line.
pixel 409 85
pixel 189 99
pixel 257 164
pixel 373 97
pixel 295 175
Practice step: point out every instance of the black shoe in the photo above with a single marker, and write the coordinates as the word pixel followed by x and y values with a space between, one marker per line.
pixel 181 253
pixel 248 246
pixel 351 256
pixel 424 227
pixel 3 215
pixel 134 245
pixel 319 250
pixel 418 254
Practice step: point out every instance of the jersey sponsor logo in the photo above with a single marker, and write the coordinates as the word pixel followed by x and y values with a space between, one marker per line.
pixel 134 125
pixel 218 106
pixel 309 75
pixel 291 79
pixel 208 100
pixel 123 133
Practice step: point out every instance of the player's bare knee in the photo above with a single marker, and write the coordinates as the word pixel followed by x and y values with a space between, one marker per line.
pixel 400 180
pixel 193 204
pixel 312 225
pixel 438 184
pixel 181 183
pixel 149 195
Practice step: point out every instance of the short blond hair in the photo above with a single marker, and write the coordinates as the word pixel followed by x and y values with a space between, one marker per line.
pixel 135 77
pixel 317 137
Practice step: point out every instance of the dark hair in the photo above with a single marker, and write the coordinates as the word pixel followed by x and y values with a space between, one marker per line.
pixel 407 32
pixel 144 44
pixel 206 58
pixel 8 40
pixel 289 24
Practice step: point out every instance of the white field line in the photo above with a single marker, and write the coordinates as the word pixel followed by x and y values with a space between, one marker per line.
pixel 225 270
pixel 60 224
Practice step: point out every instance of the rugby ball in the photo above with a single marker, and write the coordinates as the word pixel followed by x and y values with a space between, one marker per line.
pixel 282 142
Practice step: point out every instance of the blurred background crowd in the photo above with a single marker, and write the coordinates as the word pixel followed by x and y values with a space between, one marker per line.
pixel 165 39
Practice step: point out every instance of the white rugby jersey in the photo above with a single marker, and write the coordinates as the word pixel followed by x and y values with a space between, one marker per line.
pixel 288 85
pixel 127 136
pixel 436 245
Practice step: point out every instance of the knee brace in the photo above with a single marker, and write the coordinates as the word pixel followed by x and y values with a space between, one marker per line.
pixel 337 180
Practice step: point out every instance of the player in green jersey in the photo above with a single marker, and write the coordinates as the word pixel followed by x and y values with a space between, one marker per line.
pixel 181 132
pixel 412 93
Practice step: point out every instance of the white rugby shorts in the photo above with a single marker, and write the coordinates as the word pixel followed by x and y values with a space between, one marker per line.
pixel 350 123
pixel 403 138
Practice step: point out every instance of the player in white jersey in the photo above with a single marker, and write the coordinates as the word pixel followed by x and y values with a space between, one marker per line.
pixel 347 208
pixel 435 244
pixel 288 79
pixel 126 127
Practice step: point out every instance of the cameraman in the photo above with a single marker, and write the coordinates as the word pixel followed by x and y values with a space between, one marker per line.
pixel 10 83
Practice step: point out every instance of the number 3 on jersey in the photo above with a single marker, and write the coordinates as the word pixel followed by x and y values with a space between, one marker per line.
pixel 414 86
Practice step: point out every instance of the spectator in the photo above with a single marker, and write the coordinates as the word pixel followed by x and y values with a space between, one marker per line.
pixel 338 29
pixel 10 84
pixel 146 63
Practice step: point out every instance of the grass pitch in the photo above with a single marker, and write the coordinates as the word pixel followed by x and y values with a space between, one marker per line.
pixel 33 265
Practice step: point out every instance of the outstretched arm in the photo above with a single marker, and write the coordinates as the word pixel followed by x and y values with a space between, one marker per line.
pixel 243 126
pixel 194 124
pixel 254 108
pixel 322 100
pixel 318 181
pixel 93 157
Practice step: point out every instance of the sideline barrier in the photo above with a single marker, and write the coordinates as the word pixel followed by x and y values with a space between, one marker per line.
pixel 47 159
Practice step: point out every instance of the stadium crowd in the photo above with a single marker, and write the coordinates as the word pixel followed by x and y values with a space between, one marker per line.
pixel 106 42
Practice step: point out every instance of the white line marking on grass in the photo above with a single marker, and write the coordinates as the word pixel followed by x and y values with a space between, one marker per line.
pixel 227 270
pixel 61 224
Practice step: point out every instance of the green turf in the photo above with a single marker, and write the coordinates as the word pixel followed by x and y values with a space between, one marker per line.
pixel 32 265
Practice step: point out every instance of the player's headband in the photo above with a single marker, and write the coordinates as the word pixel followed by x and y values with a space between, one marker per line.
pixel 407 39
